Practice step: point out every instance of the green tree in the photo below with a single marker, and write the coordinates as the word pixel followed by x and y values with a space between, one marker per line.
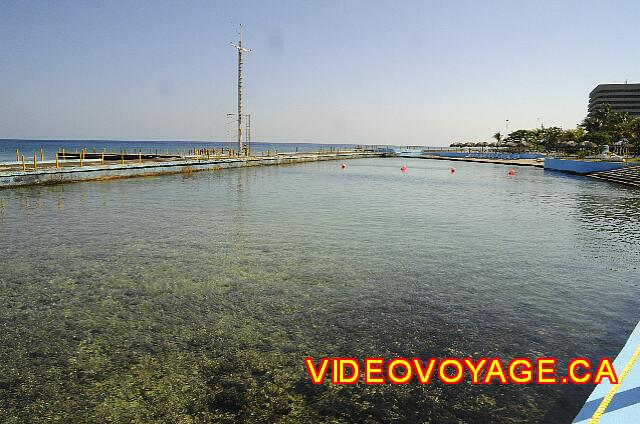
pixel 520 136
pixel 573 134
pixel 604 125
pixel 636 138
pixel 550 137
pixel 598 120
pixel 599 137
pixel 538 135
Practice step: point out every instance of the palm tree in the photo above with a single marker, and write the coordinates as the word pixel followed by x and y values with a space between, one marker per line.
pixel 598 119
pixel 605 125
pixel 498 138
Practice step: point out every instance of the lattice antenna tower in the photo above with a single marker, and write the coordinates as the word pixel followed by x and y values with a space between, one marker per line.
pixel 240 115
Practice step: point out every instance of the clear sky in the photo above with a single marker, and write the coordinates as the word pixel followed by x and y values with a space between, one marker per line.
pixel 374 72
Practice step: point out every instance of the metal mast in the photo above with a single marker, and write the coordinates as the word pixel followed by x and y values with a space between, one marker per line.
pixel 240 51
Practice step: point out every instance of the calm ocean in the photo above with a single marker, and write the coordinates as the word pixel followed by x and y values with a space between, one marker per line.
pixel 196 297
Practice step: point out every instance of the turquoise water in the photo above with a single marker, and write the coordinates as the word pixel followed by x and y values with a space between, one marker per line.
pixel 195 297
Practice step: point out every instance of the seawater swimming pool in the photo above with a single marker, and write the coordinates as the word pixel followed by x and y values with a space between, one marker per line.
pixel 197 297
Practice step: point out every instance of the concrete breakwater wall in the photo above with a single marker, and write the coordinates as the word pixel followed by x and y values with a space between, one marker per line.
pixel 580 166
pixel 487 155
pixel 537 163
pixel 17 178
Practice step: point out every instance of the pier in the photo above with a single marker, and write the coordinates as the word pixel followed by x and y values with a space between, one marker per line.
pixel 538 163
pixel 616 172
pixel 75 167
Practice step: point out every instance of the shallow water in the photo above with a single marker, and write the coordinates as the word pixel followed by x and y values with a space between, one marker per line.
pixel 197 296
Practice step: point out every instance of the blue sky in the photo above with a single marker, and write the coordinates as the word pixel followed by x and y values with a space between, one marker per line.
pixel 375 72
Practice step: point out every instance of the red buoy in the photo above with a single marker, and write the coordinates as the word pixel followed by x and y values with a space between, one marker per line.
pixel 403 168
pixel 512 173
pixel 343 166
pixel 452 170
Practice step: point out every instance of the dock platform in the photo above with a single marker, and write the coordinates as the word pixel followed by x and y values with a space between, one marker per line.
pixel 71 170
pixel 516 162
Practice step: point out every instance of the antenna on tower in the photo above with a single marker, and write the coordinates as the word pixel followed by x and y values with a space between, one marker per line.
pixel 240 51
